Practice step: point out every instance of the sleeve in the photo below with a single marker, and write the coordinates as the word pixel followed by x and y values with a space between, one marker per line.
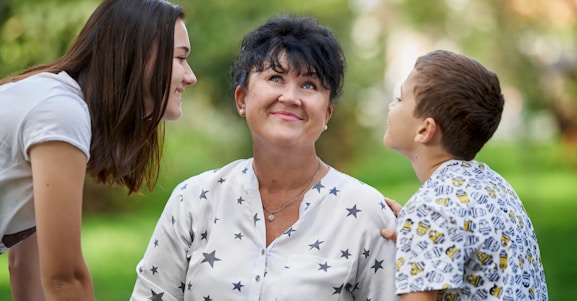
pixel 58 118
pixel 376 273
pixel 430 247
pixel 161 274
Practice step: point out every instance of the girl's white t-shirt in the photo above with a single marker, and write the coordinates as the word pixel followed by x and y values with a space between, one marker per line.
pixel 44 107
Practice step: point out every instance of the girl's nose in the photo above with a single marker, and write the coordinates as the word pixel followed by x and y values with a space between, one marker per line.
pixel 189 77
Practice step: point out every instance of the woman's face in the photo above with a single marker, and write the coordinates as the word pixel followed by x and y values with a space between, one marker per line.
pixel 284 108
pixel 182 74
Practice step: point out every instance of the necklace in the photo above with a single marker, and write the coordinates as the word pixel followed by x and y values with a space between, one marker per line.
pixel 271 213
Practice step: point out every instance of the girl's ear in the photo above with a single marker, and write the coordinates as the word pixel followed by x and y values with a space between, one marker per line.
pixel 427 131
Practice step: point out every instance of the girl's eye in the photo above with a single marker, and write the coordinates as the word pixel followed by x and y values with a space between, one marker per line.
pixel 181 59
pixel 398 99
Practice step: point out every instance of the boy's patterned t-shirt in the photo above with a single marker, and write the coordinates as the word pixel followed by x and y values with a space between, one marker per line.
pixel 467 234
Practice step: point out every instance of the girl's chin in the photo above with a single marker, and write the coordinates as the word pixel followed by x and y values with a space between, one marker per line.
pixel 172 115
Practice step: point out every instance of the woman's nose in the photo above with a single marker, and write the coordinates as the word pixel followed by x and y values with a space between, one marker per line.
pixel 289 93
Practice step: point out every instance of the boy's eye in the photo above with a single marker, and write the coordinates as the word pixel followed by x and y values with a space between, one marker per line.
pixel 275 78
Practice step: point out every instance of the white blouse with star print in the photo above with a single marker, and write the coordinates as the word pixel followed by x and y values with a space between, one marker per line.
pixel 209 243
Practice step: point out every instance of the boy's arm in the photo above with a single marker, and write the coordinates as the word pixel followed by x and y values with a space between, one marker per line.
pixel 420 296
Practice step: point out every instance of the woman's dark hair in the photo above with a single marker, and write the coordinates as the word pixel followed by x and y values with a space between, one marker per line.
pixel 122 60
pixel 307 46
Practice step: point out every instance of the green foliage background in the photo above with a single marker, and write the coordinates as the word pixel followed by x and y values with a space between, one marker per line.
pixel 117 227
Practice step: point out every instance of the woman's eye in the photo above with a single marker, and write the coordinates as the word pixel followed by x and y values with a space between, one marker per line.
pixel 309 86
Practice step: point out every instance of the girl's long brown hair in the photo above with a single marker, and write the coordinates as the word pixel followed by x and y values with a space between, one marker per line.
pixel 122 60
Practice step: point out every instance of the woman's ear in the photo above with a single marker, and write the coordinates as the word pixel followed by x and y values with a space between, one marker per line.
pixel 239 99
pixel 329 113
pixel 427 131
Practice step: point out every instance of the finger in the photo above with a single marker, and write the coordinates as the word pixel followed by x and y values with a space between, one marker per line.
pixel 389 234
pixel 396 207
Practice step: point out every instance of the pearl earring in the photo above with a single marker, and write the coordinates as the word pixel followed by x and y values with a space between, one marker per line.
pixel 242 111
pixel 326 127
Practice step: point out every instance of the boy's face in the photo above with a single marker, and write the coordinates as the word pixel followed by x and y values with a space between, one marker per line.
pixel 402 125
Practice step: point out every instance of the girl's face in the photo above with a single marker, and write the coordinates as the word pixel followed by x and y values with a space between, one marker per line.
pixel 182 74
pixel 284 109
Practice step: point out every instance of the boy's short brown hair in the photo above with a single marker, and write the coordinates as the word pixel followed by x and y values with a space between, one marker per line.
pixel 462 96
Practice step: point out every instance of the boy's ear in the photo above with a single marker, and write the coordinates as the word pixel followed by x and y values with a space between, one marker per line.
pixel 427 131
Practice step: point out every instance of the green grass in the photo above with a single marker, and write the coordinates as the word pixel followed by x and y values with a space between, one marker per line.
pixel 113 246
pixel 114 243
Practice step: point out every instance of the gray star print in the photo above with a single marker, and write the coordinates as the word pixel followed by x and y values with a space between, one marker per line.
pixel 324 266
pixel 155 296
pixel 316 245
pixel 210 258
pixel 378 265
pixel 353 211
pixel 237 286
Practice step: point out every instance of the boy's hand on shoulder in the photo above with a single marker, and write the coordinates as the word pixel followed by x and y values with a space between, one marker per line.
pixel 396 208
pixel 389 234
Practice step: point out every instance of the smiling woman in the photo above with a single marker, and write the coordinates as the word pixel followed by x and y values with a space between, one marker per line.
pixel 282 224
pixel 285 103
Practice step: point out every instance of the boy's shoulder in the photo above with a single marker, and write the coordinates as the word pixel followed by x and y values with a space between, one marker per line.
pixel 456 182
pixel 459 173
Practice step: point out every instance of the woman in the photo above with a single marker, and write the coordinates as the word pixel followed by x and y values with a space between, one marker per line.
pixel 282 225
pixel 96 109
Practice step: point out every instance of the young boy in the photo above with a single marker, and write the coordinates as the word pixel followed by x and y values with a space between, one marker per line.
pixel 464 235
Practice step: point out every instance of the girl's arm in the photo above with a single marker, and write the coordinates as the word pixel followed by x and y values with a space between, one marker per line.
pixel 58 171
pixel 25 271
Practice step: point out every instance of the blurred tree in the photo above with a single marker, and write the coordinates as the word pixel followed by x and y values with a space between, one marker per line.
pixel 38 31
pixel 530 44
pixel 216 29
pixel 33 32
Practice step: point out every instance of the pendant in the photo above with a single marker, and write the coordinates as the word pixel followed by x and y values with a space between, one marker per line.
pixel 270 218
